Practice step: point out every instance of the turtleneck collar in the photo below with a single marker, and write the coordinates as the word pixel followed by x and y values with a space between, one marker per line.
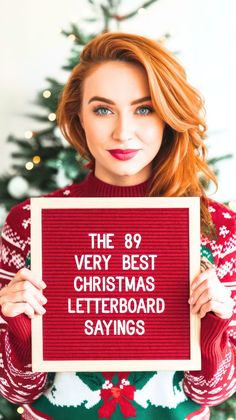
pixel 94 187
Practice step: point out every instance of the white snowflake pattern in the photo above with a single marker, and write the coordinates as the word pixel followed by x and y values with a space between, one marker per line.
pixel 66 192
pixel 26 207
pixel 13 237
pixel 212 209
pixel 12 258
pixel 25 223
pixel 226 268
pixel 215 248
pixel 226 215
pixel 223 231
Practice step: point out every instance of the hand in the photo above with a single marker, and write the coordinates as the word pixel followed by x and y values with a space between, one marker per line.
pixel 210 295
pixel 23 294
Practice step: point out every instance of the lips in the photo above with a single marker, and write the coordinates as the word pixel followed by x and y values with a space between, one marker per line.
pixel 121 154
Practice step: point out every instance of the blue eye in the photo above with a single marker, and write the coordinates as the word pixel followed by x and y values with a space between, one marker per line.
pixel 144 110
pixel 101 110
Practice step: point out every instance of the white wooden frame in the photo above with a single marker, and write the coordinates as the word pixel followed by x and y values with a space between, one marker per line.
pixel 37 204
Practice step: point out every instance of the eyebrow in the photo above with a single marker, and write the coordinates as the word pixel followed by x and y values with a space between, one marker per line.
pixel 108 101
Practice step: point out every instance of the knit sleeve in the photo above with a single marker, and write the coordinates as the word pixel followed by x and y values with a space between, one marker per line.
pixel 17 382
pixel 217 380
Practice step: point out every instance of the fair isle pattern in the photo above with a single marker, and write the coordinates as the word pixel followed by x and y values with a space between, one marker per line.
pixel 231 244
pixel 200 387
pixel 210 386
pixel 11 257
pixel 18 379
pixel 227 268
pixel 13 237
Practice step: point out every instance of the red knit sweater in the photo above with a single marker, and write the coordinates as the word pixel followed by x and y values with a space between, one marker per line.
pixel 210 386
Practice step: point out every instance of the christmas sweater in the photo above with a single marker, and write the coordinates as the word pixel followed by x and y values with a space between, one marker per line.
pixel 112 395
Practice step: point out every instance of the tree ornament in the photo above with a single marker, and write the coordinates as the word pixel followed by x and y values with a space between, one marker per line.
pixel 61 178
pixel 34 192
pixel 58 134
pixel 18 187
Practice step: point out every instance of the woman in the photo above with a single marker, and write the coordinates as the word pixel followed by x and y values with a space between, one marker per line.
pixel 128 109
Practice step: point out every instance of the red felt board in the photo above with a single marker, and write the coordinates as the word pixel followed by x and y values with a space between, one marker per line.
pixel 100 311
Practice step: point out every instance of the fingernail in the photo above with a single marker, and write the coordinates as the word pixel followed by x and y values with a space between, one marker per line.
pixel 43 285
pixel 190 300
pixel 43 299
pixel 193 286
pixel 42 310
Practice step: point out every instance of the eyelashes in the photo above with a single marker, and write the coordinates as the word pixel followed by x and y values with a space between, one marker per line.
pixel 102 110
pixel 148 110
pixel 142 110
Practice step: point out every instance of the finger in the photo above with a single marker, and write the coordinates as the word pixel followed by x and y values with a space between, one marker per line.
pixel 28 287
pixel 204 298
pixel 3 290
pixel 222 310
pixel 23 296
pixel 199 290
pixel 201 277
pixel 13 309
pixel 26 274
pixel 214 289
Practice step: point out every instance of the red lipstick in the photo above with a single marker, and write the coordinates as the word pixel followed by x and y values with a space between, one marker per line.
pixel 121 154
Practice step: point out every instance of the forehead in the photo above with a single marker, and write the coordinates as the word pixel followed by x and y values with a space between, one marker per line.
pixel 116 77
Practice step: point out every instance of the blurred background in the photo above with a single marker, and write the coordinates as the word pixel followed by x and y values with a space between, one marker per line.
pixel 40 39
pixel 40 42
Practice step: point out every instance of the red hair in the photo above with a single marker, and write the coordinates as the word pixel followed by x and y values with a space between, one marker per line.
pixel 181 160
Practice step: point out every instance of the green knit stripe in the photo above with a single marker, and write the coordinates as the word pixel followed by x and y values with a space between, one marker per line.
pixel 81 412
pixel 206 252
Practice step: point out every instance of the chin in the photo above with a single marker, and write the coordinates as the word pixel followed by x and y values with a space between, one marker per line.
pixel 128 173
pixel 132 170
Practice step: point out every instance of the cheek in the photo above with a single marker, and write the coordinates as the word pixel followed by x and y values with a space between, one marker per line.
pixel 95 141
pixel 95 127
pixel 153 134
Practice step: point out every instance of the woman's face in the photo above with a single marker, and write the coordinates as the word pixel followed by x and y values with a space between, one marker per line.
pixel 123 131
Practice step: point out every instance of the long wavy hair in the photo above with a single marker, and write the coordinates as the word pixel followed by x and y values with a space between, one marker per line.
pixel 181 161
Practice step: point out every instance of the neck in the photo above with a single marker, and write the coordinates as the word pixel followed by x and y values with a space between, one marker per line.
pixel 124 180
pixel 94 187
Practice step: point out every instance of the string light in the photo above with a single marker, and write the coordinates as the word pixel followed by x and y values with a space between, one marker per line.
pixel 29 166
pixel 72 37
pixel 20 410
pixel 52 116
pixel 47 94
pixel 141 11
pixel 36 159
pixel 28 134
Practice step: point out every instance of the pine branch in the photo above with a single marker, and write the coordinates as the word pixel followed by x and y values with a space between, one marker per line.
pixel 108 15
pixel 21 143
pixel 213 161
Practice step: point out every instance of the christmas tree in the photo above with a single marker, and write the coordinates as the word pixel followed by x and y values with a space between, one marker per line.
pixel 44 161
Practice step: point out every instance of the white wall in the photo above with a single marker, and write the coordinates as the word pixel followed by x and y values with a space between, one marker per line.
pixel 203 32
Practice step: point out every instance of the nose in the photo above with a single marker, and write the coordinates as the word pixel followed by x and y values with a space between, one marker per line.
pixel 123 129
